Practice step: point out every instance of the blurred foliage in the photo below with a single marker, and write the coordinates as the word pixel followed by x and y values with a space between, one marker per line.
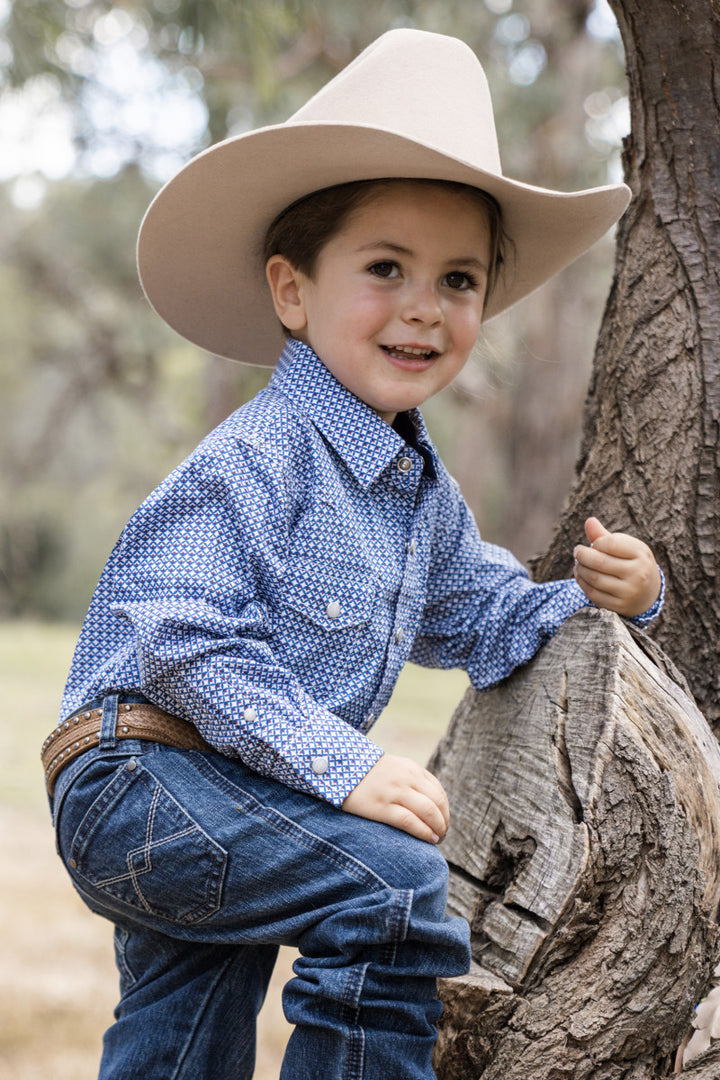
pixel 98 399
pixel 255 62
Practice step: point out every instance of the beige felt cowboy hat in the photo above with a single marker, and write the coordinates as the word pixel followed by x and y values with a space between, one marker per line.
pixel 413 104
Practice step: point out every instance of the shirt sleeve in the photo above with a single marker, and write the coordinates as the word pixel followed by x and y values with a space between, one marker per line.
pixel 195 574
pixel 482 612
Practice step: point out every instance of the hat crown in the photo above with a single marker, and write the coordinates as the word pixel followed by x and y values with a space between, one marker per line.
pixel 423 86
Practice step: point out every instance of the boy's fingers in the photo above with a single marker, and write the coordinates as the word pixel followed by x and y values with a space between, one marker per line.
pixel 400 817
pixel 621 545
pixel 423 781
pixel 426 811
pixel 428 788
pixel 426 800
pixel 401 793
pixel 605 584
pixel 593 561
pixel 605 600
pixel 613 547
pixel 438 796
pixel 594 529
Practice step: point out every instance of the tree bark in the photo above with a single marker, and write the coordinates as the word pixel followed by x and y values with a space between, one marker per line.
pixel 585 852
pixel 650 455
pixel 706 1067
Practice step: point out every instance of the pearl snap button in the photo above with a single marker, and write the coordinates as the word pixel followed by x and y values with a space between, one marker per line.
pixel 320 765
pixel 404 464
pixel 411 547
pixel 333 610
pixel 399 634
pixel 250 715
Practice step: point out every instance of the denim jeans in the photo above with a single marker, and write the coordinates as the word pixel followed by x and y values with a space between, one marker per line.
pixel 205 868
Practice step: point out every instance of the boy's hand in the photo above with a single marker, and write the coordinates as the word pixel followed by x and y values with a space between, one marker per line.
pixel 399 792
pixel 617 571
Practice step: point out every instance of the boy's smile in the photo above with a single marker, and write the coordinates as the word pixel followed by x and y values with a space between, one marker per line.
pixel 396 300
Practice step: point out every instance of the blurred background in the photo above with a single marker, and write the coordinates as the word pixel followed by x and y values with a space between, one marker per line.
pixel 100 103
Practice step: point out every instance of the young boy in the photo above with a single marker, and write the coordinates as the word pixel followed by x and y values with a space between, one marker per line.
pixel 215 791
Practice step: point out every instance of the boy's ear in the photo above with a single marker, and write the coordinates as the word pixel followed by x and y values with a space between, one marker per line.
pixel 286 286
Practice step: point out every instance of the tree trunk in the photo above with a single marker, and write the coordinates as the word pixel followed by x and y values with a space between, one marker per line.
pixel 650 455
pixel 585 852
pixel 706 1067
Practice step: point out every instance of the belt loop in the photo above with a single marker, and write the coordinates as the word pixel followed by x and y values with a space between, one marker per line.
pixel 108 724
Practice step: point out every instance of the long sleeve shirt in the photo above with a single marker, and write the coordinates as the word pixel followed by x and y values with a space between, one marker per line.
pixel 273 586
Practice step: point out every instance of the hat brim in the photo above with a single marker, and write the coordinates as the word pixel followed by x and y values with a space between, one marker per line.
pixel 200 243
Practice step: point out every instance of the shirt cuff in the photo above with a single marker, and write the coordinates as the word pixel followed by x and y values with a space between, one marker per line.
pixel 329 758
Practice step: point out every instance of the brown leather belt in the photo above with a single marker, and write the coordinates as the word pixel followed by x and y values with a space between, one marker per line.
pixel 136 720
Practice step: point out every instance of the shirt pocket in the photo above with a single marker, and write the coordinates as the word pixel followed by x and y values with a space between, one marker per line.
pixel 325 620
pixel 334 598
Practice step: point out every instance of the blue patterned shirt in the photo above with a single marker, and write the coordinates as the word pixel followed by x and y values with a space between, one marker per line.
pixel 272 587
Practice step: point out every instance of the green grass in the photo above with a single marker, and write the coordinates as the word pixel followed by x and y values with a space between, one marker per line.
pixel 34 660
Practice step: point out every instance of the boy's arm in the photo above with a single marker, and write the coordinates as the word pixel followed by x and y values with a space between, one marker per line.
pixel 483 613
pixel 200 638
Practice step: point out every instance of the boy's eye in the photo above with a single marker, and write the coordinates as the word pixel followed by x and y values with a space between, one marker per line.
pixel 459 279
pixel 385 269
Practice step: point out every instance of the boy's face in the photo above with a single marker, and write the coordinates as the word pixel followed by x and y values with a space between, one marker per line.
pixel 396 301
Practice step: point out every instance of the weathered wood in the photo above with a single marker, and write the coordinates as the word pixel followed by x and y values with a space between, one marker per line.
pixel 585 851
pixel 706 1067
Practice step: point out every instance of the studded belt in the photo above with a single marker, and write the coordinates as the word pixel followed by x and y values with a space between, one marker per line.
pixel 135 721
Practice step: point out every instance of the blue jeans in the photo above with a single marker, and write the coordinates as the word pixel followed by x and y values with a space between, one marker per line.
pixel 205 868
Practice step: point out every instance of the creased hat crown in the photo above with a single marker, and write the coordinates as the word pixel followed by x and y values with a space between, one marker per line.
pixel 425 87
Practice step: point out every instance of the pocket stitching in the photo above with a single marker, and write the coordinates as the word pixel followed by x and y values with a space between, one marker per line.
pixel 303 594
pixel 211 890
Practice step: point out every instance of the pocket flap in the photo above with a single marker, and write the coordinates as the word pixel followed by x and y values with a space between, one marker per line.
pixel 333 597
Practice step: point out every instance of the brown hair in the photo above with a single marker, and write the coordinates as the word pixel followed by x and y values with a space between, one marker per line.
pixel 301 230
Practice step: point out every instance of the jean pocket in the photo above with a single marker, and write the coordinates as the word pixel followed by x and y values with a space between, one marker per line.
pixel 136 844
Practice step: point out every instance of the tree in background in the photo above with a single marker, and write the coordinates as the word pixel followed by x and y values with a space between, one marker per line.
pixel 99 400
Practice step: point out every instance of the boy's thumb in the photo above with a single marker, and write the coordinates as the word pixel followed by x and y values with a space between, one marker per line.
pixel 594 529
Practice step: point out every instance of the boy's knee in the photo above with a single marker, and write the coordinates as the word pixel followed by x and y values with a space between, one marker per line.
pixel 431 880
pixel 417 865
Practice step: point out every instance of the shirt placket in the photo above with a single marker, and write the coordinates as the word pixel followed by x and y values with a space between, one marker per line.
pixel 406 478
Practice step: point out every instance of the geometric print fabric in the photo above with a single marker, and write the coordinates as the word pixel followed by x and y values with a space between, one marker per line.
pixel 271 589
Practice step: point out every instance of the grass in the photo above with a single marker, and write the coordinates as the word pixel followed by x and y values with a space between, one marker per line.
pixel 57 976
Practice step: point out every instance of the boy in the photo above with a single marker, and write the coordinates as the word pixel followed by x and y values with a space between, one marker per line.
pixel 216 793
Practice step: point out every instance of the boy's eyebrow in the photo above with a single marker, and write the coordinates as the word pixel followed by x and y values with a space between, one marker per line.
pixel 399 249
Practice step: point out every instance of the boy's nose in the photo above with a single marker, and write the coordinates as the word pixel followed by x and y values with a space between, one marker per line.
pixel 422 306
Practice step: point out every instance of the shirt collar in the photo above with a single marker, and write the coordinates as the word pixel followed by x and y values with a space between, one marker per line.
pixel 364 441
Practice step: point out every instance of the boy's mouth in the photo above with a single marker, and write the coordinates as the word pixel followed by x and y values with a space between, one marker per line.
pixel 411 353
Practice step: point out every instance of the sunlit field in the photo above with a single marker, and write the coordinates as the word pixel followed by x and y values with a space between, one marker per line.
pixel 57 976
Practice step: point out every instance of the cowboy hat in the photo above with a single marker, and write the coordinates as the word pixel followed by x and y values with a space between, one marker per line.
pixel 413 105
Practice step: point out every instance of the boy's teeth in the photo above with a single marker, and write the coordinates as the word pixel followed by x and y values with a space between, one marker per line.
pixel 410 351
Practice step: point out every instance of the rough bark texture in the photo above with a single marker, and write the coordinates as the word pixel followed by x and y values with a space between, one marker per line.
pixel 650 458
pixel 706 1067
pixel 585 852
